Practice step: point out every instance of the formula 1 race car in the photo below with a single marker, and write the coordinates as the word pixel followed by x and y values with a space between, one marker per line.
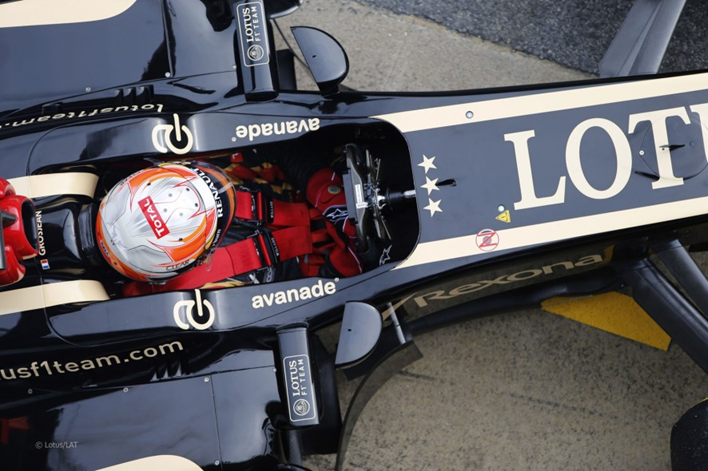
pixel 581 183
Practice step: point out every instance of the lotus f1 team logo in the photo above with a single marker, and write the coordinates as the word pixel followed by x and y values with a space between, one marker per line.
pixel 203 319
pixel 175 138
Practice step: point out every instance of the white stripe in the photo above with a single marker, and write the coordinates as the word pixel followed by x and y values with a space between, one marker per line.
pixel 51 294
pixel 501 108
pixel 160 462
pixel 55 12
pixel 37 186
pixel 518 237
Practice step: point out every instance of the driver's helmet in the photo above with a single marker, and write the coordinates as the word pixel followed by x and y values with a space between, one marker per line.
pixel 164 220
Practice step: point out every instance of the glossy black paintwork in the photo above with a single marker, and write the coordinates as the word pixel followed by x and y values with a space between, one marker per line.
pixel 69 58
pixel 169 407
pixel 207 419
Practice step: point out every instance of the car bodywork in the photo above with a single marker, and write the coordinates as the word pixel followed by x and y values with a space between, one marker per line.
pixel 593 175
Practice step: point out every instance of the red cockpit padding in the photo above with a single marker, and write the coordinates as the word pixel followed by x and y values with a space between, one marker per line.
pixel 14 272
pixel 6 188
pixel 16 234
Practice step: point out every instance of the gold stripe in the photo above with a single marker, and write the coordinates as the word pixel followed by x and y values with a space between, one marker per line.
pixel 501 108
pixel 37 186
pixel 151 463
pixel 465 246
pixel 52 294
pixel 55 12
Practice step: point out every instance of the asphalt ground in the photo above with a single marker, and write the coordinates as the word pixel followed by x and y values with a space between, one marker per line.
pixel 523 391
pixel 573 33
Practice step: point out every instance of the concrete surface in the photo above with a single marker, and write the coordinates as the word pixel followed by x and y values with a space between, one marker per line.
pixel 523 391
pixel 575 33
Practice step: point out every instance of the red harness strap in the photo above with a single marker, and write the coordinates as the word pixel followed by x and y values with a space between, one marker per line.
pixel 263 210
pixel 235 259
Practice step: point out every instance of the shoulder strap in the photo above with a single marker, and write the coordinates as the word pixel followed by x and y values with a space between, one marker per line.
pixel 262 250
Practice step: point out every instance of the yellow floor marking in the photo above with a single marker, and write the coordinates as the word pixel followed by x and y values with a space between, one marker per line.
pixel 612 312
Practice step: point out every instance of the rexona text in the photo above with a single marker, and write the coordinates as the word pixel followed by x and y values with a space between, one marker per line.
pixel 317 290
pixel 440 295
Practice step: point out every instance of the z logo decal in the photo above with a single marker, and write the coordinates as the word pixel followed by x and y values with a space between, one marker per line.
pixel 166 131
pixel 202 321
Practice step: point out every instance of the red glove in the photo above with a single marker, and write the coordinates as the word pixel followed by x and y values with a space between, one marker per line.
pixel 325 192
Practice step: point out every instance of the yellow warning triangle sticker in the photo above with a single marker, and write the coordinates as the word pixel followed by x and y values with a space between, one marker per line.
pixel 612 312
pixel 504 217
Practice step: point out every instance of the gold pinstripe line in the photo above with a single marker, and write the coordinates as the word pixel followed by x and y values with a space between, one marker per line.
pixel 501 108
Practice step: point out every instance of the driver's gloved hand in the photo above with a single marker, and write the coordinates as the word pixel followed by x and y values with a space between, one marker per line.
pixel 326 193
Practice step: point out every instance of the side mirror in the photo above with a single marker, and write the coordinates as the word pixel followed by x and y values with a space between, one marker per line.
pixel 324 56
pixel 361 329
pixel 279 8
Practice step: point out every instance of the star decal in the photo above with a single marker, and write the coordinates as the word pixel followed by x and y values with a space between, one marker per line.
pixel 336 214
pixel 430 185
pixel 385 255
pixel 433 207
pixel 427 163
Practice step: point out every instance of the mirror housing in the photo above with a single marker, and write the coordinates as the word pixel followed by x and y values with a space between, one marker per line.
pixel 279 8
pixel 325 57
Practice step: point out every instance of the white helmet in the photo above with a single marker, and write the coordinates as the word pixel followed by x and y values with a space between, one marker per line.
pixel 161 220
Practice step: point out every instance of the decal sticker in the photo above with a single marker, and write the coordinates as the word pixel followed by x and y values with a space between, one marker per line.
pixel 299 386
pixel 317 290
pixel 45 264
pixel 41 249
pixel 504 217
pixel 202 321
pixel 252 35
pixel 656 120
pixel 153 218
pixel 441 295
pixel 427 163
pixel 430 185
pixel 433 207
pixel 100 112
pixel 385 255
pixel 487 240
pixel 336 214
pixel 451 291
pixel 38 369
pixel 162 137
pixel 275 128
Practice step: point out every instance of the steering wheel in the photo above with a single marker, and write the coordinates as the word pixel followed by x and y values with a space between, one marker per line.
pixel 366 198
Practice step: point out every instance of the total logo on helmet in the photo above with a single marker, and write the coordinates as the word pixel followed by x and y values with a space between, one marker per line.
pixel 161 220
